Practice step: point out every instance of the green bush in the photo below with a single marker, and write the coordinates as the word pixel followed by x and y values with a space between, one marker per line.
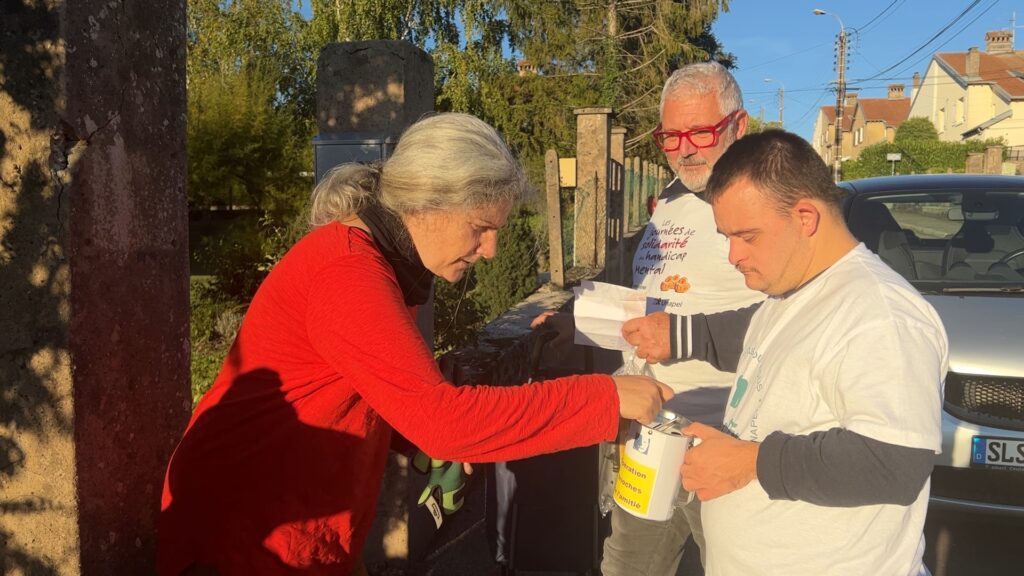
pixel 505 280
pixel 214 324
pixel 457 316
pixel 919 157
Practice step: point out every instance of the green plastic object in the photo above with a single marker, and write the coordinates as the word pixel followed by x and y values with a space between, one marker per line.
pixel 447 477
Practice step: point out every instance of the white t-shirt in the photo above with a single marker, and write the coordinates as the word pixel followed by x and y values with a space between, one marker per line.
pixel 857 347
pixel 682 242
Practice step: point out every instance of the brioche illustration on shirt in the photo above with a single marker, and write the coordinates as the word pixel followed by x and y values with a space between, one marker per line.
pixel 675 283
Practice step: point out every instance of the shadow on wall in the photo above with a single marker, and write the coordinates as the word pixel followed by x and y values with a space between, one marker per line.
pixel 33 271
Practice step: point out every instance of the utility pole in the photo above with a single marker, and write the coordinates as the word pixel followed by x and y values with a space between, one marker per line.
pixel 781 94
pixel 782 105
pixel 837 160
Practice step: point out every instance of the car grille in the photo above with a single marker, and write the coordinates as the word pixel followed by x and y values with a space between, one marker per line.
pixel 986 400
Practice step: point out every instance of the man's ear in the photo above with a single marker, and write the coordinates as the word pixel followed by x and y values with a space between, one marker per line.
pixel 741 124
pixel 808 213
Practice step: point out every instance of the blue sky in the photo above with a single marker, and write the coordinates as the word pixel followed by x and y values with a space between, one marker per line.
pixel 785 41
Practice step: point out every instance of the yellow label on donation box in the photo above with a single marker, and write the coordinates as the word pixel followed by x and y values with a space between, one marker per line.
pixel 648 482
pixel 634 485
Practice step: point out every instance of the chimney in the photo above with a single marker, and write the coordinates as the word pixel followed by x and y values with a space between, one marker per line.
pixel 525 68
pixel 916 84
pixel 973 63
pixel 895 91
pixel 999 42
pixel 851 100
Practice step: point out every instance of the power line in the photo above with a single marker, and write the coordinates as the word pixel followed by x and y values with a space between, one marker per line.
pixel 953 37
pixel 863 29
pixel 941 31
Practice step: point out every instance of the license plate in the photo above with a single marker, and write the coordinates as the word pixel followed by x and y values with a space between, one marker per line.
pixel 988 452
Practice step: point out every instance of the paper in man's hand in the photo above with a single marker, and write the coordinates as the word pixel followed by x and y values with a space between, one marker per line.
pixel 600 309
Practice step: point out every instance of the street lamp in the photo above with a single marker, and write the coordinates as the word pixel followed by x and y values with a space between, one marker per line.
pixel 782 97
pixel 837 162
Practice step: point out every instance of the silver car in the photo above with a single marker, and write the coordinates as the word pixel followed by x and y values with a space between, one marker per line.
pixel 959 239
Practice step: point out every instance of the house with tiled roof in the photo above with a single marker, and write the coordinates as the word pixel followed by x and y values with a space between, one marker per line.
pixel 824 137
pixel 876 119
pixel 975 94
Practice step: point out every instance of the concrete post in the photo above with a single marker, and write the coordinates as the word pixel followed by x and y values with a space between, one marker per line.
pixel 993 160
pixel 593 141
pixel 975 163
pixel 638 195
pixel 554 205
pixel 379 88
pixel 629 194
pixel 93 280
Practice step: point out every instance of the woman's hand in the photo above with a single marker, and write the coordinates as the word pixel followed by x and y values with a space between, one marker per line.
pixel 562 323
pixel 640 397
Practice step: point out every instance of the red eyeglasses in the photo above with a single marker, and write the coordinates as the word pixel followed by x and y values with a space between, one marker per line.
pixel 700 137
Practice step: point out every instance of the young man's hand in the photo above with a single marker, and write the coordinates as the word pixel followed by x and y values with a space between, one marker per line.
pixel 719 464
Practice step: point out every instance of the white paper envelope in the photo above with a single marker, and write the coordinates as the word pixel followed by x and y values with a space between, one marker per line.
pixel 600 310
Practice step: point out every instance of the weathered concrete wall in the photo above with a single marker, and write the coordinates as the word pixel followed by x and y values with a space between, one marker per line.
pixel 373 86
pixel 93 280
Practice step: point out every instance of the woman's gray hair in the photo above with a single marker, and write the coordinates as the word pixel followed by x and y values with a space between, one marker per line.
pixel 442 162
pixel 701 79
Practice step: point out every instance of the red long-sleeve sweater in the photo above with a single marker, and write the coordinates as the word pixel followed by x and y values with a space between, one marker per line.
pixel 280 467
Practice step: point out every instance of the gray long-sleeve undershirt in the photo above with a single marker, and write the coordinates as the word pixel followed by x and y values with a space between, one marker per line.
pixel 841 468
pixel 836 467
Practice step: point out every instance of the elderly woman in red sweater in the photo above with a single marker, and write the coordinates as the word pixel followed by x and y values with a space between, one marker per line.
pixel 280 468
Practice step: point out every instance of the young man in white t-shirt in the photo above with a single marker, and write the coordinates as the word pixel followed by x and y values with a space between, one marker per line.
pixel 701 304
pixel 834 418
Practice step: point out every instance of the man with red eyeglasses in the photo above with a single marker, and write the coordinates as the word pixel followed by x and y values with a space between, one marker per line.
pixel 701 303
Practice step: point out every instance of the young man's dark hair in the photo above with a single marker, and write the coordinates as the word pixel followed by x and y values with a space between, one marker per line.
pixel 779 162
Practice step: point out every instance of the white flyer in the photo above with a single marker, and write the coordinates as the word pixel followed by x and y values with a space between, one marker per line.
pixel 600 309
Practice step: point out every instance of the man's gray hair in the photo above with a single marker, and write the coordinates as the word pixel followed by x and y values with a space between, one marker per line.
pixel 701 79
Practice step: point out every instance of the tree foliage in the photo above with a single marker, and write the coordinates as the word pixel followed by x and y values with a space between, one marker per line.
pixel 916 129
pixel 242 149
pixel 511 275
pixel 251 79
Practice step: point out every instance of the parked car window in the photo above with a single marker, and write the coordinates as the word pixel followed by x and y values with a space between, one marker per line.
pixel 948 237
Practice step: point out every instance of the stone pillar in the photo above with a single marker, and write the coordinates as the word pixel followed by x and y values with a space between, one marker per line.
pixel 93 280
pixel 993 160
pixel 377 89
pixel 975 163
pixel 593 141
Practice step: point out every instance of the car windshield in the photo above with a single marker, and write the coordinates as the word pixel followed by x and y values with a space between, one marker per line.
pixel 970 240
